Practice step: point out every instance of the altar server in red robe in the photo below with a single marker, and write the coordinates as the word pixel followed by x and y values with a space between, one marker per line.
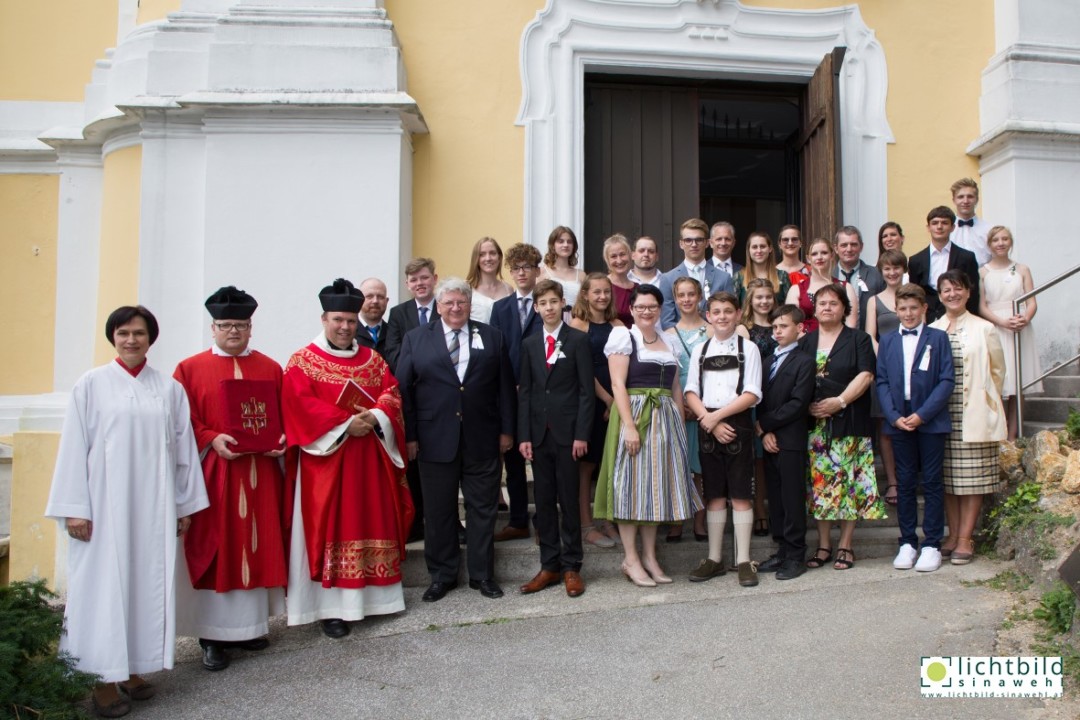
pixel 234 550
pixel 352 509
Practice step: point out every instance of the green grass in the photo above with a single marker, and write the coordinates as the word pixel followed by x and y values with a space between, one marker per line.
pixel 1007 580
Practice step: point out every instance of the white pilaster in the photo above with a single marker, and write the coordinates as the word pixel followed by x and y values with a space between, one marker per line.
pixel 1029 152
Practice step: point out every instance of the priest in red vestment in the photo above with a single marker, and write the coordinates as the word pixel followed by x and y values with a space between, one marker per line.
pixel 234 551
pixel 352 509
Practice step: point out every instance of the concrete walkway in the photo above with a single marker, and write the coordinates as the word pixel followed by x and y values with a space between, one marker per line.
pixel 830 644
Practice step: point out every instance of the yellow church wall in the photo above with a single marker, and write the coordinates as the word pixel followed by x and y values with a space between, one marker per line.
pixel 33 537
pixel 48 48
pixel 462 60
pixel 118 280
pixel 150 10
pixel 28 229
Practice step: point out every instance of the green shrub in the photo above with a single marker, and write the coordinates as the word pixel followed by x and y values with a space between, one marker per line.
pixel 35 681
pixel 1057 608
pixel 1072 424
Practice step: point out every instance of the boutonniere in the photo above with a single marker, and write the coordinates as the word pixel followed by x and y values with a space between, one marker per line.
pixel 558 347
pixel 1012 269
pixel 706 290
pixel 701 330
pixel 862 286
pixel 477 343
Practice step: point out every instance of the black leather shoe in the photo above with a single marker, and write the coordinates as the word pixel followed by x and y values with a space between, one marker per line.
pixel 335 628
pixel 252 645
pixel 437 591
pixel 487 588
pixel 774 563
pixel 214 657
pixel 790 570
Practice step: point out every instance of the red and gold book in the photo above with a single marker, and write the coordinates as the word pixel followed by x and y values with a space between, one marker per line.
pixel 253 415
pixel 353 396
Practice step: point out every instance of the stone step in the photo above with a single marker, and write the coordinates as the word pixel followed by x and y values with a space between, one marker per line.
pixel 1061 386
pixel 516 561
pixel 1049 409
pixel 1034 427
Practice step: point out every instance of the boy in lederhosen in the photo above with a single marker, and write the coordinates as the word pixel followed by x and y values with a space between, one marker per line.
pixel 723 383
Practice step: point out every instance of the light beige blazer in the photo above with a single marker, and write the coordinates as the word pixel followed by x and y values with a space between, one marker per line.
pixel 984 377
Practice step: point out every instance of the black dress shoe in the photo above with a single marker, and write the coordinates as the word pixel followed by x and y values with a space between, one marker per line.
pixel 774 563
pixel 437 591
pixel 335 628
pixel 790 570
pixel 214 656
pixel 487 588
pixel 252 645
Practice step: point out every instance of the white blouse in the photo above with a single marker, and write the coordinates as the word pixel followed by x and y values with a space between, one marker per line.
pixel 619 344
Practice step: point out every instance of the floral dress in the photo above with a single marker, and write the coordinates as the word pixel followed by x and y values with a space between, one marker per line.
pixel 843 484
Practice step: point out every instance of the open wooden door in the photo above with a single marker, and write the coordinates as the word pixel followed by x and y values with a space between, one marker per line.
pixel 819 151
pixel 641 166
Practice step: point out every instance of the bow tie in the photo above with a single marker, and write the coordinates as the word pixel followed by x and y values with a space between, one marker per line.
pixel 966 223
pixel 909 332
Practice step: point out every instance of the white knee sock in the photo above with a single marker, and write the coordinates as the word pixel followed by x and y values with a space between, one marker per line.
pixel 715 520
pixel 744 528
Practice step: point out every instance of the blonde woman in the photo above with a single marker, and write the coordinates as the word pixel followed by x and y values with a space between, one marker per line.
pixel 617 256
pixel 485 278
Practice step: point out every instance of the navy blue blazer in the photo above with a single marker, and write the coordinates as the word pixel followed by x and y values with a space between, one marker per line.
pixel 505 319
pixel 930 388
pixel 715 278
pixel 558 401
pixel 446 415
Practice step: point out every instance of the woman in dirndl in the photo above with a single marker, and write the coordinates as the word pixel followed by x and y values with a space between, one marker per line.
pixel 645 477
pixel 978 415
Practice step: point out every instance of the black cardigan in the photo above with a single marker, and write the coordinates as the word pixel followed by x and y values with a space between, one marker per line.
pixel 852 354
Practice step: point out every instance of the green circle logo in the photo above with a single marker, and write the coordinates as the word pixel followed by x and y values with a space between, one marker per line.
pixel 936 672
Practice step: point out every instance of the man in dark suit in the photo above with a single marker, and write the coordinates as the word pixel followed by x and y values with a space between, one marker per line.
pixel 515 317
pixel 420 278
pixel 865 279
pixel 459 401
pixel 722 242
pixel 782 423
pixel 692 239
pixel 372 331
pixel 941 255
pixel 555 414
pixel 915 378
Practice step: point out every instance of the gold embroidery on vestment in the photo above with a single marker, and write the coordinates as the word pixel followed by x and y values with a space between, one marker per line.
pixel 361 559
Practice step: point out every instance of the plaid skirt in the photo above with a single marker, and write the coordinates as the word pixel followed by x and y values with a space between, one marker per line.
pixel 971 468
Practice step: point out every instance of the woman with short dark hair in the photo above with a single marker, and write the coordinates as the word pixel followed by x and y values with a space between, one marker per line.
pixel 127 480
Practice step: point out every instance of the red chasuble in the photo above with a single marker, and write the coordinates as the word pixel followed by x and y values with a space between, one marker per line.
pixel 236 543
pixel 355 502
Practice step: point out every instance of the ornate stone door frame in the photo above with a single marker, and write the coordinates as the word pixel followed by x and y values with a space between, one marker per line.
pixel 720 39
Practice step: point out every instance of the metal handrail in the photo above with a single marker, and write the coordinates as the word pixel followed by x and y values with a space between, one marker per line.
pixel 1017 363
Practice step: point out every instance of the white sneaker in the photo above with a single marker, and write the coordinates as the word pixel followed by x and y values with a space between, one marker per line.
pixel 905 559
pixel 929 560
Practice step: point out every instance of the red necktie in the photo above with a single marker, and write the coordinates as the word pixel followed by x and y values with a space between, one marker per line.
pixel 550 350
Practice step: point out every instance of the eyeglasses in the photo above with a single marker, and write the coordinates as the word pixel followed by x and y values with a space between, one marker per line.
pixel 693 240
pixel 454 303
pixel 522 268
pixel 230 326
pixel 789 241
pixel 645 308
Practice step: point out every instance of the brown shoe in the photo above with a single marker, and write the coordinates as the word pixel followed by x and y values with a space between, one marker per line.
pixel 748 574
pixel 511 533
pixel 137 688
pixel 543 579
pixel 574 584
pixel 108 703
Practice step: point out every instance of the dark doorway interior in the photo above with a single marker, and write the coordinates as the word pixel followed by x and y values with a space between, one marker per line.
pixel 661 150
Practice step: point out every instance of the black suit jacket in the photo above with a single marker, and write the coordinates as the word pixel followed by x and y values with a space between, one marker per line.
pixel 959 259
pixel 446 415
pixel 505 319
pixel 871 277
pixel 403 318
pixel 785 403
pixel 363 338
pixel 851 354
pixel 558 401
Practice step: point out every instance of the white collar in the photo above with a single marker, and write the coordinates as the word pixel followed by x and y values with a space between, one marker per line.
pixel 918 330
pixel 446 329
pixel 521 297
pixel 323 344
pixel 782 351
pixel 944 249
pixel 218 351
pixel 698 266
pixel 555 332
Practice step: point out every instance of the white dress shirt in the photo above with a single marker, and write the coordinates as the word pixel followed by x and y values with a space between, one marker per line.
pixel 939 263
pixel 973 238
pixel 464 341
pixel 725 265
pixel 910 342
pixel 717 389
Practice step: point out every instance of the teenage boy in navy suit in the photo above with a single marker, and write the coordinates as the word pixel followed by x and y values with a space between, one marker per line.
pixel 555 413
pixel 783 425
pixel 515 317
pixel 914 381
